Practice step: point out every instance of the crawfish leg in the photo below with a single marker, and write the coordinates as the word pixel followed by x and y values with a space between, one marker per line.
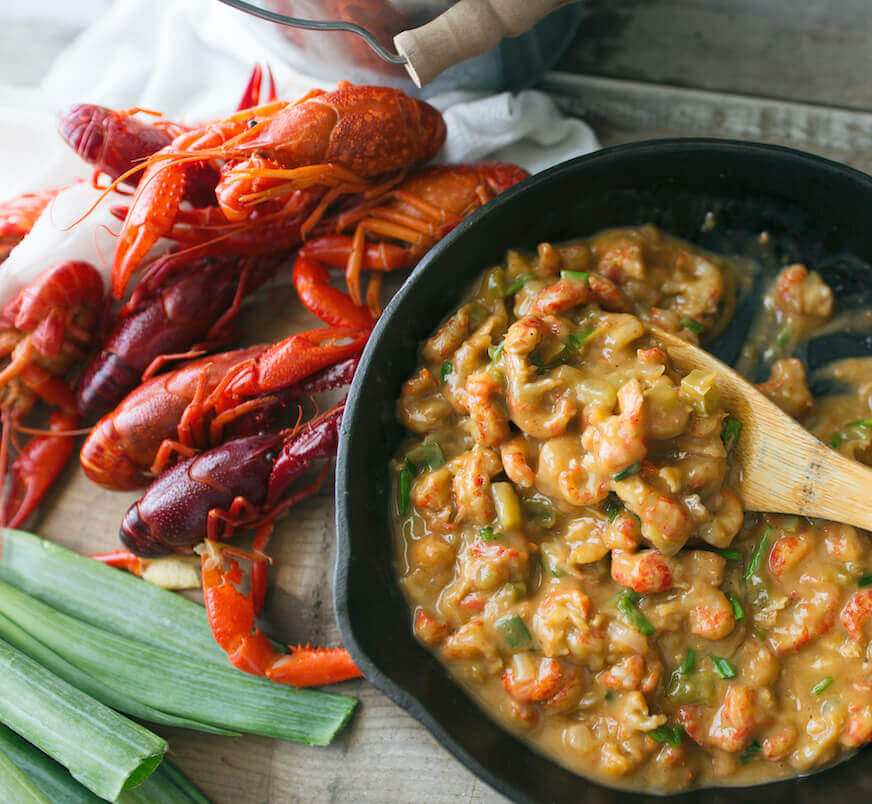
pixel 259 566
pixel 161 360
pixel 230 518
pixel 358 247
pixel 331 305
pixel 121 559
pixel 165 452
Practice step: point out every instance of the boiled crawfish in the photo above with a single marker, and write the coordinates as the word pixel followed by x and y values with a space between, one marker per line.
pixel 49 326
pixel 183 304
pixel 241 483
pixel 17 216
pixel 336 142
pixel 196 406
pixel 116 141
pixel 418 213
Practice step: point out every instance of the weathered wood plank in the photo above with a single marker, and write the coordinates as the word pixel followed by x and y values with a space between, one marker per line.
pixel 806 51
pixel 623 111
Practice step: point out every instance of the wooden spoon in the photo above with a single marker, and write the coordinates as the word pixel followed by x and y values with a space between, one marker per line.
pixel 782 467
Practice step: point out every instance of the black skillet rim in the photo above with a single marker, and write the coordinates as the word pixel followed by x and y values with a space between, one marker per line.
pixel 354 418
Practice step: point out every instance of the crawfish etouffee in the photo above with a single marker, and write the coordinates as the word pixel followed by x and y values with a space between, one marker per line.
pixel 570 542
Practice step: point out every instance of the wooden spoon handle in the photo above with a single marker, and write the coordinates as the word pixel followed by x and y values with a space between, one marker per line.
pixel 783 468
pixel 469 28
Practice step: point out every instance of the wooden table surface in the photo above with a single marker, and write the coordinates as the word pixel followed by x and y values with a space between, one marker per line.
pixel 771 70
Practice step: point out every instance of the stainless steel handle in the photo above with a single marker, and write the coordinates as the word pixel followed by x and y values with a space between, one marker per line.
pixel 317 25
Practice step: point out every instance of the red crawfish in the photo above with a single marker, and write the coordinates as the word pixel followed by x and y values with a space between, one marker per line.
pixel 418 212
pixel 339 141
pixel 246 482
pixel 17 216
pixel 49 326
pixel 131 445
pixel 116 141
pixel 190 408
pixel 183 303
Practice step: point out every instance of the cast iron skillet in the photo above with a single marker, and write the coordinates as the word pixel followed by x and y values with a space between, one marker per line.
pixel 814 210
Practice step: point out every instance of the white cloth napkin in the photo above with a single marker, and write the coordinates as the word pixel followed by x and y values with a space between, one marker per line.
pixel 190 59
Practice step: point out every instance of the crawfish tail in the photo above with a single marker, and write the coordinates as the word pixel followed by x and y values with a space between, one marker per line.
pixel 105 460
pixel 334 376
pixel 115 143
pixel 112 142
pixel 70 291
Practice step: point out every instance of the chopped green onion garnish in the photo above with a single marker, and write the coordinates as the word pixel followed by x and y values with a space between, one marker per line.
pixel 536 359
pixel 750 752
pixel 759 550
pixel 738 611
pixel 688 662
pixel 517 285
pixel 581 276
pixel 428 455
pixel 730 432
pixel 836 440
pixel 864 580
pixel 860 423
pixel 731 555
pixel 609 695
pixel 627 607
pixel 488 534
pixel 570 343
pixel 404 489
pixel 514 631
pixel 822 685
pixel 667 734
pixel 632 469
pixel 447 368
pixel 613 508
pixel 494 352
pixel 783 337
pixel 723 666
pixel 692 324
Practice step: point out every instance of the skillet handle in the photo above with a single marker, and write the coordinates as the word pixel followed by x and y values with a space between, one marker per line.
pixel 469 28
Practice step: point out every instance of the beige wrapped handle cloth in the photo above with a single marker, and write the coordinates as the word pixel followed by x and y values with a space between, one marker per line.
pixel 469 28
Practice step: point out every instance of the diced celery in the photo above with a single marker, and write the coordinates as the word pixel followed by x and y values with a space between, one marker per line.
pixel 696 688
pixel 508 506
pixel 700 391
pixel 540 512
pixel 428 456
pixel 514 631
